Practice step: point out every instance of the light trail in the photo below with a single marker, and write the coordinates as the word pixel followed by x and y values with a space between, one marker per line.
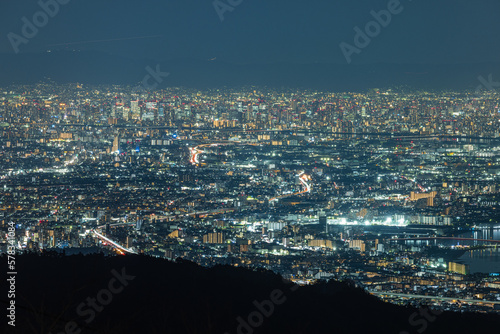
pixel 303 178
pixel 119 247
pixel 195 152
pixel 422 189
pixel 117 224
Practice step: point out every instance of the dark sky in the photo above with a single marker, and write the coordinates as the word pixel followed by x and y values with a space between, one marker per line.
pixel 261 31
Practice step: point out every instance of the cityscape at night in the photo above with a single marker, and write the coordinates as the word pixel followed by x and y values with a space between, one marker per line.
pixel 186 183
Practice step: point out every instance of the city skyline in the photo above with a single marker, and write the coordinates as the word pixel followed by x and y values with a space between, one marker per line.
pixel 236 166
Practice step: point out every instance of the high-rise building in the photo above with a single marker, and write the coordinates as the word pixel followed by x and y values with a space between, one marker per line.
pixel 357 245
pixel 320 243
pixel 249 113
pixel 458 268
pixel 322 220
pixel 116 144
pixel 213 238
pixel 134 107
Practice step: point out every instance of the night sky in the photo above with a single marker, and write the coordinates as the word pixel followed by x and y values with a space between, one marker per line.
pixel 263 31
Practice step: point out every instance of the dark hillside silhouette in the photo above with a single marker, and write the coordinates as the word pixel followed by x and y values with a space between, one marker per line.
pixel 182 297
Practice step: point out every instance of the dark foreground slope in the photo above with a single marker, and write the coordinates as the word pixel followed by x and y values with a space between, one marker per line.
pixel 136 294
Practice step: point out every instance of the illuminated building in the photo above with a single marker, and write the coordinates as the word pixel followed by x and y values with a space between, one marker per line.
pixel 459 268
pixel 213 238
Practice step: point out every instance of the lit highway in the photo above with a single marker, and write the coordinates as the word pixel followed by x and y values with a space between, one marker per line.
pixel 303 178
pixel 114 244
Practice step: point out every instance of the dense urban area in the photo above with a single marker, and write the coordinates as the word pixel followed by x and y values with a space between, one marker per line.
pixel 394 190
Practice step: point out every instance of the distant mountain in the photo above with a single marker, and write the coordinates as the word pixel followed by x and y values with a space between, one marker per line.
pixel 99 68
pixel 139 294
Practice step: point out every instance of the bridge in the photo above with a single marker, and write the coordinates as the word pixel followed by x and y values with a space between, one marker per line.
pixel 444 238
pixel 112 243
